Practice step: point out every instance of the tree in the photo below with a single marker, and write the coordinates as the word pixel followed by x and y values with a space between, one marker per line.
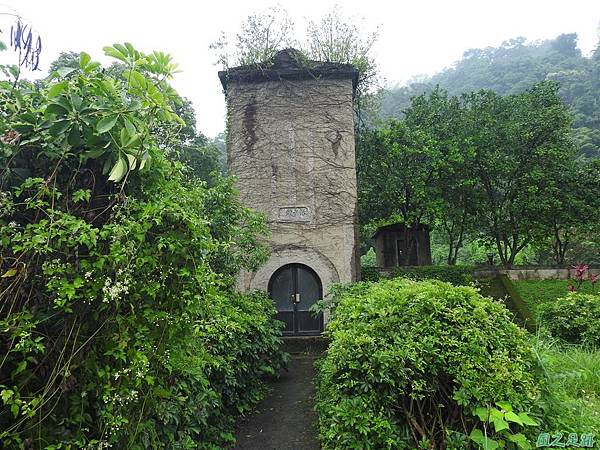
pixel 180 140
pixel 442 119
pixel 262 35
pixel 513 67
pixel 69 60
pixel 339 39
pixel 522 146
pixel 573 210
pixel 396 166
pixel 333 38
pixel 501 169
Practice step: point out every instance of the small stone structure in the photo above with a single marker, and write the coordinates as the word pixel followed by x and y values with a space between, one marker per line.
pixel 290 140
pixel 397 245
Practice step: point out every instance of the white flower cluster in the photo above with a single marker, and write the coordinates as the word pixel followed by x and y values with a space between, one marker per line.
pixel 139 370
pixel 122 400
pixel 99 446
pixel 5 202
pixel 114 290
pixel 55 270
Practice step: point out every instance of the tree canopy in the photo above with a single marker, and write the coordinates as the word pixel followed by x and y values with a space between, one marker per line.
pixel 514 67
pixel 501 169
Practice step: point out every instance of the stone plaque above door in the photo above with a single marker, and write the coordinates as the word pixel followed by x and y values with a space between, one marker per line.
pixel 294 214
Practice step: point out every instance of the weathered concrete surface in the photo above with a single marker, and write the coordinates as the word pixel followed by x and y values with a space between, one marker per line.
pixel 291 150
pixel 286 419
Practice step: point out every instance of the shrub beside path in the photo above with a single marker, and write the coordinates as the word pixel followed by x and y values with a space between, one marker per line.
pixel 285 420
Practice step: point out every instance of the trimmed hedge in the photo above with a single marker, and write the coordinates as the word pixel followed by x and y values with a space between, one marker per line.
pixel 574 319
pixel 370 273
pixel 405 355
pixel 457 275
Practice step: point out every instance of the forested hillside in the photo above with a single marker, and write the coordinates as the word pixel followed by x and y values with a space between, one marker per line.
pixel 515 66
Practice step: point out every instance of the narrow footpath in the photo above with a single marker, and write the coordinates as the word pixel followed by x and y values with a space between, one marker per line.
pixel 285 420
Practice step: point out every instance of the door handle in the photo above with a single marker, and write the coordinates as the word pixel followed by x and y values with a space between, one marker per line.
pixel 296 298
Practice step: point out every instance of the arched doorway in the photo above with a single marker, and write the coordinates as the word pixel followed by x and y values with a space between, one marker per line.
pixel 295 288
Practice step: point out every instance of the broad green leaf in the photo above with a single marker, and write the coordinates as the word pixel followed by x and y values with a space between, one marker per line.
pixel 132 161
pixel 76 101
pixel 527 420
pixel 64 71
pixel 92 66
pixel 59 127
pixel 129 126
pixel 129 48
pixel 59 107
pixel 500 425
pixel 111 51
pixel 123 136
pixel 57 89
pixel 504 405
pixel 105 124
pixel 486 443
pixel 9 273
pixel 84 60
pixel 94 153
pixel 133 141
pixel 23 127
pixel 512 417
pixel 20 368
pixel 6 395
pixel 143 163
pixel 74 138
pixel 135 105
pixel 482 413
pixel 118 171
pixel 122 49
pixel 106 166
pixel 14 71
pixel 109 87
pixel 520 440
pixel 496 414
pixel 64 102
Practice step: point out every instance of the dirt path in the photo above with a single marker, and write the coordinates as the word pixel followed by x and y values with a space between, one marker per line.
pixel 285 420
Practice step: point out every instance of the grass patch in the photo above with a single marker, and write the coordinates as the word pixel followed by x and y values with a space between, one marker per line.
pixel 571 399
pixel 537 292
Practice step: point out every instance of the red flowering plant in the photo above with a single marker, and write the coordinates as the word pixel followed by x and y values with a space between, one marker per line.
pixel 583 274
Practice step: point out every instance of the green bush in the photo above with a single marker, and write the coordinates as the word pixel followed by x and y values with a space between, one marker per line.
pixel 370 273
pixel 574 318
pixel 409 361
pixel 119 326
pixel 457 275
pixel 538 292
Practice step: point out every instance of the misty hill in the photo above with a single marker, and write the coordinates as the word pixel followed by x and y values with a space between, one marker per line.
pixel 514 67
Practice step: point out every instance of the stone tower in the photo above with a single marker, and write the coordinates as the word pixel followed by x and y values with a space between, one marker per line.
pixel 291 151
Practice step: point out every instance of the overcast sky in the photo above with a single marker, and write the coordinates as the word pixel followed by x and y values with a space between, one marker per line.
pixel 417 37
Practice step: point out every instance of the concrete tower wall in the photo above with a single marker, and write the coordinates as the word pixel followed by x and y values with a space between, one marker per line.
pixel 291 150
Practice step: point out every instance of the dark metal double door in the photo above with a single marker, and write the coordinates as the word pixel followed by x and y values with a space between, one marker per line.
pixel 295 288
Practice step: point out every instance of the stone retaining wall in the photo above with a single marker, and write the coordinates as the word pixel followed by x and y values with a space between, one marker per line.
pixel 532 273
